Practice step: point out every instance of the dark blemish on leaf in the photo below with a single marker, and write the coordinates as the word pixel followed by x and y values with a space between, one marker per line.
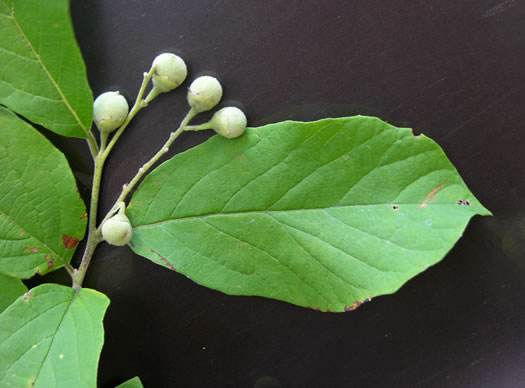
pixel 464 202
pixel 50 261
pixel 430 196
pixel 84 216
pixel 395 207
pixel 328 311
pixel 131 244
pixel 240 157
pixel 170 266
pixel 164 260
pixel 356 304
pixel 241 244
pixel 318 309
pixel 69 242
pixel 35 250
pixel 26 296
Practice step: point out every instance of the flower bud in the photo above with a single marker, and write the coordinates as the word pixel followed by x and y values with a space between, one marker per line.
pixel 170 72
pixel 204 93
pixel 229 122
pixel 110 110
pixel 117 230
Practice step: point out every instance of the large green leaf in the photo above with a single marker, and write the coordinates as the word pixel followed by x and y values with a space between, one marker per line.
pixel 10 289
pixel 324 214
pixel 42 216
pixel 131 383
pixel 42 74
pixel 52 337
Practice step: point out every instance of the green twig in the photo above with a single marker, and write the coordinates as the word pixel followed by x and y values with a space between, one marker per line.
pixel 92 143
pixel 126 189
pixel 94 236
pixel 139 104
pixel 100 155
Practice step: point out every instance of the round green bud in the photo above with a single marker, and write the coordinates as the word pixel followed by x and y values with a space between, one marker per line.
pixel 229 122
pixel 170 72
pixel 110 110
pixel 204 93
pixel 117 230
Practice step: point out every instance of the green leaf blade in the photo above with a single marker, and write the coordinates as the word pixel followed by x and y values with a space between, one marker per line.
pixel 52 337
pixel 42 216
pixel 325 214
pixel 43 76
pixel 131 383
pixel 10 289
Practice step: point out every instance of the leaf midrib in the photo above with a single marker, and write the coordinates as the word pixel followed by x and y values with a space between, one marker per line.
pixel 281 211
pixel 44 359
pixel 55 84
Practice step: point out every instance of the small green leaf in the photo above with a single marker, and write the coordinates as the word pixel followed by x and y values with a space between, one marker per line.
pixel 324 214
pixel 131 383
pixel 10 289
pixel 52 337
pixel 42 217
pixel 42 74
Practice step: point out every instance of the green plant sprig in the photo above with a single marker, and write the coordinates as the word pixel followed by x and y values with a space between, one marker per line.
pixel 167 73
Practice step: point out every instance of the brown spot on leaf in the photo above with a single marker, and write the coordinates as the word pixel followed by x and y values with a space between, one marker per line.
pixel 84 216
pixel 69 242
pixel 353 306
pixel 430 196
pixel 31 250
pixel 356 304
pixel 50 261
pixel 20 234
pixel 464 202
pixel 163 259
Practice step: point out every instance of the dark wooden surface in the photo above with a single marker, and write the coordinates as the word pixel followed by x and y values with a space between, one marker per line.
pixel 453 70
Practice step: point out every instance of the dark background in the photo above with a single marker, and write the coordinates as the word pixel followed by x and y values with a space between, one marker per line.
pixel 451 69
